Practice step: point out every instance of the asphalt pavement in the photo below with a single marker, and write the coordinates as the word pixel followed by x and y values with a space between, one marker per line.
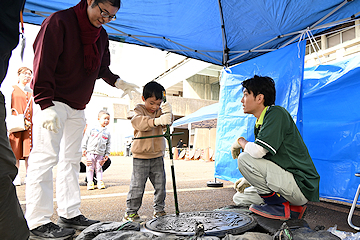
pixel 193 195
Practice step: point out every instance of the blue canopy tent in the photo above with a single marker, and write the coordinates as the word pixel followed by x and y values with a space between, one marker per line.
pixel 205 117
pixel 229 32
pixel 223 32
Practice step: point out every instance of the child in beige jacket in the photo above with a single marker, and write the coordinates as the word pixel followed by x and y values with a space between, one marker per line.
pixel 148 153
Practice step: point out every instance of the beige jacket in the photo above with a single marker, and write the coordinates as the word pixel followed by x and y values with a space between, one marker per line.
pixel 143 124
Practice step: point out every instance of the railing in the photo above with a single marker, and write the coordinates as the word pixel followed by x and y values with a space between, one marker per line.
pixel 341 50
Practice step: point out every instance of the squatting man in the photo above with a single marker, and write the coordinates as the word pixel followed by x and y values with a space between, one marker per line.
pixel 279 176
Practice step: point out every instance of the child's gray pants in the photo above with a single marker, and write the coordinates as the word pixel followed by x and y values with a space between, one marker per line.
pixel 142 170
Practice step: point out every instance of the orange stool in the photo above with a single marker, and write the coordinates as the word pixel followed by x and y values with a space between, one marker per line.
pixel 176 153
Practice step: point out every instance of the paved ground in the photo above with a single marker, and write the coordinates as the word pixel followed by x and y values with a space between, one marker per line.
pixel 193 195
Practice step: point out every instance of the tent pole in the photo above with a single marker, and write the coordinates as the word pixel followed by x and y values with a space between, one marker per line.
pixel 189 129
pixel 224 39
pixel 209 138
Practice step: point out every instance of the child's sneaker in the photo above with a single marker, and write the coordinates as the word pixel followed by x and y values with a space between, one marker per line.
pixel 134 217
pixel 90 186
pixel 101 184
pixel 159 214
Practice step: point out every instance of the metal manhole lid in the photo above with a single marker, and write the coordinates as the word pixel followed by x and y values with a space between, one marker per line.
pixel 216 223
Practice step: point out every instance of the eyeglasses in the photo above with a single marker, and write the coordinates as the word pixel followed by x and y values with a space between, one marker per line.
pixel 26 74
pixel 106 14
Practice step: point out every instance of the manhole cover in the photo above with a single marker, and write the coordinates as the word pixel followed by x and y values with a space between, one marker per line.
pixel 216 223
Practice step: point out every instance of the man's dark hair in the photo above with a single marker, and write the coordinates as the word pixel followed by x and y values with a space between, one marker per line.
pixel 153 89
pixel 261 85
pixel 114 3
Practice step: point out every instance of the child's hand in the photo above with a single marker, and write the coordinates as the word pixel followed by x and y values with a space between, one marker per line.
pixel 164 119
pixel 166 108
pixel 103 160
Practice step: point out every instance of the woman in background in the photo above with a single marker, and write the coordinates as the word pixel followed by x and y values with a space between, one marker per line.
pixel 21 100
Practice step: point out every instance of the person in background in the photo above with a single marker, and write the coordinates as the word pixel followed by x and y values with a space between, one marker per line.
pixel 71 51
pixel 12 222
pixel 180 145
pixel 128 148
pixel 148 153
pixel 21 100
pixel 86 162
pixel 277 164
pixel 96 148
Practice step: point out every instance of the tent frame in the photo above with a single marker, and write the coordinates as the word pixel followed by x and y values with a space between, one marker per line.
pixel 226 62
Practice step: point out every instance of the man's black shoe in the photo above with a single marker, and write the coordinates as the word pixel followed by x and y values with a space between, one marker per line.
pixel 51 230
pixel 80 222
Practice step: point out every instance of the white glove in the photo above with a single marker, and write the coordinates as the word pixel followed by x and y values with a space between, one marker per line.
pixel 235 149
pixel 126 87
pixel 241 184
pixel 50 119
pixel 164 119
pixel 166 108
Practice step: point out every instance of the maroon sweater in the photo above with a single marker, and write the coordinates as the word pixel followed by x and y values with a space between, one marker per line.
pixel 59 73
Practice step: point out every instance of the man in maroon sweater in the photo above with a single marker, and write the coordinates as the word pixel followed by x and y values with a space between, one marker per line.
pixel 71 52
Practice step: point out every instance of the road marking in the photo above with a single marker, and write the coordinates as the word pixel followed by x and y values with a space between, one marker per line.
pixel 146 192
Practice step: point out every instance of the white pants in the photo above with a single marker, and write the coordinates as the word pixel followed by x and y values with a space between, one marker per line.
pixel 50 149
pixel 267 177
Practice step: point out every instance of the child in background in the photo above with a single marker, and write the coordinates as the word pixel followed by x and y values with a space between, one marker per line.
pixel 148 153
pixel 96 147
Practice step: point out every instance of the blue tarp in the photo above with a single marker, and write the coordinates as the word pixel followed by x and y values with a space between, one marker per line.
pixel 331 126
pixel 286 67
pixel 323 103
pixel 224 32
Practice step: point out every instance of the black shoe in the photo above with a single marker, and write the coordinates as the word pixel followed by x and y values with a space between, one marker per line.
pixel 51 230
pixel 80 222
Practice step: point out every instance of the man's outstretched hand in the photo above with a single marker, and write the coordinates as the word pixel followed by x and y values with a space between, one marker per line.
pixel 128 88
